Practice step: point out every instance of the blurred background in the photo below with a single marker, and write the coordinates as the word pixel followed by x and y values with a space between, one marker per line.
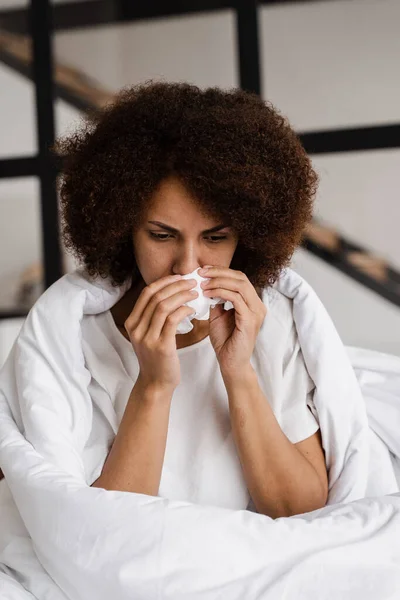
pixel 330 66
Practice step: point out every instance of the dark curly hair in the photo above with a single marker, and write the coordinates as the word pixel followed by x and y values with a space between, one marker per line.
pixel 233 151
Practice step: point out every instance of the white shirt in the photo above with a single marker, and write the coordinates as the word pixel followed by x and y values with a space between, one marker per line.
pixel 201 464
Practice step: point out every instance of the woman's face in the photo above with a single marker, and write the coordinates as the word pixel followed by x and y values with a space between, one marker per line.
pixel 184 250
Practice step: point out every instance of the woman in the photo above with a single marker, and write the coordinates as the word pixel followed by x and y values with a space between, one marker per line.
pixel 167 179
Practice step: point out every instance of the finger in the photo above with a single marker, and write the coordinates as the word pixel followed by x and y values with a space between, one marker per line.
pixel 247 292
pixel 249 296
pixel 221 271
pixel 140 316
pixel 172 321
pixel 236 298
pixel 162 320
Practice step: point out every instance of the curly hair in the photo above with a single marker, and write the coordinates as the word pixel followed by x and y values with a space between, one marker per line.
pixel 236 155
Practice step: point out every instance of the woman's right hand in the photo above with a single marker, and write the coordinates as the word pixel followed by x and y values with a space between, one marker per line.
pixel 151 327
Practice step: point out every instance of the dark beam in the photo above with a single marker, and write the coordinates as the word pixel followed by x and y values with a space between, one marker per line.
pixel 92 13
pixel 385 290
pixel 247 34
pixel 354 260
pixel 14 313
pixel 42 72
pixel 18 167
pixel 374 137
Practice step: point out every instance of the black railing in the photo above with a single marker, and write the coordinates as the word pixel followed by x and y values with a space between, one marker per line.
pixel 40 20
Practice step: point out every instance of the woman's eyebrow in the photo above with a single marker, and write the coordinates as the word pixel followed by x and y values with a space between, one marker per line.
pixel 173 230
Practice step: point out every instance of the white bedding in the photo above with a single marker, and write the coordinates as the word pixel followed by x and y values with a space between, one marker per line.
pixel 61 539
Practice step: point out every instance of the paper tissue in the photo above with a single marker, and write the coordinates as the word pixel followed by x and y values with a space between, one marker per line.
pixel 201 304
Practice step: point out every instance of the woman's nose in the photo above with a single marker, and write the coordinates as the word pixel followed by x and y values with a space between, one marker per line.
pixel 185 270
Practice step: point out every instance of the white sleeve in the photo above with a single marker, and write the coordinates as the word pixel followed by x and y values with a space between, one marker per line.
pixel 299 418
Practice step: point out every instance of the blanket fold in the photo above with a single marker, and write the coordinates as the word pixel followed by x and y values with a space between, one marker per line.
pixel 85 542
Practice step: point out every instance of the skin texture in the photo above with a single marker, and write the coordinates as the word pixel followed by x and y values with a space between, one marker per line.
pixel 180 253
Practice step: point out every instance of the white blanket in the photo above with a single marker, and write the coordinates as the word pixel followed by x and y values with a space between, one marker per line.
pixel 61 539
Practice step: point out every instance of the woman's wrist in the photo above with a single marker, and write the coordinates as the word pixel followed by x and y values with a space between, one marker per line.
pixel 153 391
pixel 239 377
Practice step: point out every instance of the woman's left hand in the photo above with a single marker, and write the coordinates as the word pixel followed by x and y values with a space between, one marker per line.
pixel 233 332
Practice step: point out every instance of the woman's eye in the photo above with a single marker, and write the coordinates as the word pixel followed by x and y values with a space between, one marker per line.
pixel 164 237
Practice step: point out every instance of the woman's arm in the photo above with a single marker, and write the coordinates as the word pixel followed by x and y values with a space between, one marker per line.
pixel 281 481
pixel 136 458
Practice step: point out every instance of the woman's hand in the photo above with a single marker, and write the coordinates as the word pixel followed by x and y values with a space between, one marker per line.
pixel 233 332
pixel 152 325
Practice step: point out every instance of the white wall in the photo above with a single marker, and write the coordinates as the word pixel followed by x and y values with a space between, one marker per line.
pixel 196 48
pixel 325 65
pixel 20 233
pixel 333 64
pixel 359 193
pixel 361 317
pixel 17 116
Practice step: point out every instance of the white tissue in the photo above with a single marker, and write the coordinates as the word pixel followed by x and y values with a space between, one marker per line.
pixel 201 304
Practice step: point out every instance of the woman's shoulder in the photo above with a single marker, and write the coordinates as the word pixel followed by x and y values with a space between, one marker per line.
pixel 278 337
pixel 279 307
